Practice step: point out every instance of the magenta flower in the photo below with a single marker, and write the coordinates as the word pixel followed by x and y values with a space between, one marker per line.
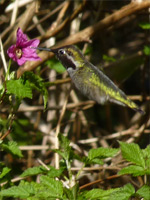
pixel 23 50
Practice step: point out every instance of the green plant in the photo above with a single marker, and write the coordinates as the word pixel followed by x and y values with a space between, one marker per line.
pixel 63 184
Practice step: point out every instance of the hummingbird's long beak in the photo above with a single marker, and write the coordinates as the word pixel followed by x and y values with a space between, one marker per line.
pixel 43 49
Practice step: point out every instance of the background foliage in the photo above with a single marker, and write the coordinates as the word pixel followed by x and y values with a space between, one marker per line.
pixel 56 144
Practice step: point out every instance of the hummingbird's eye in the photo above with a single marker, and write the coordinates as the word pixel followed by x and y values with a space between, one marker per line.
pixel 61 51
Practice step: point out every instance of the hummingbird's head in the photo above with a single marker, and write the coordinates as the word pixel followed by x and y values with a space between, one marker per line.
pixel 70 56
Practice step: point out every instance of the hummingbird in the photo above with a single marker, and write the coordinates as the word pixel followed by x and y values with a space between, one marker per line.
pixel 90 80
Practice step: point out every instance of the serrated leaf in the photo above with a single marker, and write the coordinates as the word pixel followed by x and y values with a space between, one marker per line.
pixel 4 172
pixel 52 173
pixel 19 88
pixel 133 153
pixel 145 25
pixel 12 148
pixel 34 171
pixel 102 153
pixel 54 187
pixel 24 190
pixel 123 193
pixel 144 192
pixel 36 82
pixel 134 170
pixel 96 194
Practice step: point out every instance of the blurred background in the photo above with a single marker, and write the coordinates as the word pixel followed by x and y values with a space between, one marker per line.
pixel 114 36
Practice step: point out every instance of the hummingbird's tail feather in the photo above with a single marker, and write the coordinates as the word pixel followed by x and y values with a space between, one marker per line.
pixel 135 107
pixel 125 101
pixel 142 112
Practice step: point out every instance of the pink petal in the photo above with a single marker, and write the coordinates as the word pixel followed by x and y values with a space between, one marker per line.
pixel 11 51
pixel 30 54
pixel 21 38
pixel 22 43
pixel 21 61
pixel 32 43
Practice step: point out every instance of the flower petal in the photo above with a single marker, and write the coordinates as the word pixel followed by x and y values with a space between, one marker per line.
pixel 22 51
pixel 11 52
pixel 30 54
pixel 32 43
pixel 21 61
pixel 21 38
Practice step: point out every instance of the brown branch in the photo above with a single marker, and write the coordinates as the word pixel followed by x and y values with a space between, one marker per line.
pixel 99 181
pixel 87 33
pixel 51 33
pixel 46 17
pixel 23 23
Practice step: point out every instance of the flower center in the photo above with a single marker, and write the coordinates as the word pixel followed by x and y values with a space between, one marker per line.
pixel 18 53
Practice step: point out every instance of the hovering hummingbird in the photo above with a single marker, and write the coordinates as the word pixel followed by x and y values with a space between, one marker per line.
pixel 89 79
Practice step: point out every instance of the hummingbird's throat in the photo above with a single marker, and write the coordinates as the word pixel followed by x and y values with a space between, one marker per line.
pixel 67 62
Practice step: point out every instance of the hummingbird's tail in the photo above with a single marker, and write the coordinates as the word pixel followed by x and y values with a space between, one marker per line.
pixel 137 109
pixel 123 100
pixel 134 106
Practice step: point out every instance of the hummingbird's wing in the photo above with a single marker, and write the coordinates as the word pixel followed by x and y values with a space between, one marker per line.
pixel 105 90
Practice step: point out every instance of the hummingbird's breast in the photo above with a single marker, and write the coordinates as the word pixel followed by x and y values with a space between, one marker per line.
pixel 83 79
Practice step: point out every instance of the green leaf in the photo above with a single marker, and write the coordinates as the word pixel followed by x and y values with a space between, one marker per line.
pixel 34 171
pixel 132 153
pixel 19 88
pixel 57 66
pixel 145 25
pixel 109 58
pixel 146 50
pixel 75 191
pixel 24 190
pixel 65 145
pixel 88 51
pixel 134 170
pixel 102 153
pixel 95 161
pixel 55 188
pixel 36 82
pixel 68 193
pixel 52 172
pixel 144 192
pixel 96 194
pixel 12 148
pixel 72 193
pixel 4 172
pixel 123 193
pixel 146 152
